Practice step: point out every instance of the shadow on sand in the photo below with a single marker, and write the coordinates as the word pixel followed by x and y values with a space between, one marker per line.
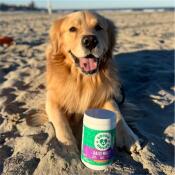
pixel 144 73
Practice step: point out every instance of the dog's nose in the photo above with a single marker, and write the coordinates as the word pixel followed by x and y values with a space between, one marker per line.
pixel 89 41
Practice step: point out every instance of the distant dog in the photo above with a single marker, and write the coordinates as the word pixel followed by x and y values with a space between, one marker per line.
pixel 81 75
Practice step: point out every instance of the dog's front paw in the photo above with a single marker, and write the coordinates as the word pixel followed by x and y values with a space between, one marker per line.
pixel 125 138
pixel 68 141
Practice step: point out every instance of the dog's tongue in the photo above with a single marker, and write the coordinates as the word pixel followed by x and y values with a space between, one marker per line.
pixel 88 64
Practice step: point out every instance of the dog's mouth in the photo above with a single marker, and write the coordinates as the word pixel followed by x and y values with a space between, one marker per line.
pixel 88 64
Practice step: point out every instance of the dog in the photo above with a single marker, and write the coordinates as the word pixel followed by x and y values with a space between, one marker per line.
pixel 81 75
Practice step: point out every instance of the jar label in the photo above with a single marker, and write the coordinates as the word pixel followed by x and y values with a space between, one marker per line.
pixel 98 146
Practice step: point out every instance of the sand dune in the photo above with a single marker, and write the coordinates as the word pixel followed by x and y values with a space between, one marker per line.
pixel 144 55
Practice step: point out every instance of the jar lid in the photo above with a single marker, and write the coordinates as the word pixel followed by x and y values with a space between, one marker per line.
pixel 99 118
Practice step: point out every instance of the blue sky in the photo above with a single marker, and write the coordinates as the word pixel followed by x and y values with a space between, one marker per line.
pixel 71 4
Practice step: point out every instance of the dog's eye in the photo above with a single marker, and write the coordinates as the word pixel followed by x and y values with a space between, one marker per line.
pixel 98 27
pixel 72 29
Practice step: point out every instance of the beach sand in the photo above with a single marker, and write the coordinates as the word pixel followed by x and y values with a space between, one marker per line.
pixel 144 56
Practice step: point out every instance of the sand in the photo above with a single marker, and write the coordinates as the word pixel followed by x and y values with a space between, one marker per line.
pixel 144 56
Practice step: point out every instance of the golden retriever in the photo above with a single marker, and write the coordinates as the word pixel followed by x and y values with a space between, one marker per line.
pixel 81 75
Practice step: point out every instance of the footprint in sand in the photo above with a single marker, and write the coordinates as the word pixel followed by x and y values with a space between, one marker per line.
pixel 20 85
pixel 10 105
pixel 8 135
pixel 20 164
pixel 5 152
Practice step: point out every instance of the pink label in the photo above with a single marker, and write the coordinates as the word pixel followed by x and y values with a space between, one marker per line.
pixel 95 154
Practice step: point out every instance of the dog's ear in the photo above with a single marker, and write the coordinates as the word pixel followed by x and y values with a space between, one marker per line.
pixel 55 35
pixel 112 31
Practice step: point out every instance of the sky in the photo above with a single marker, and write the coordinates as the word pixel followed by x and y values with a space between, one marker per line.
pixel 89 4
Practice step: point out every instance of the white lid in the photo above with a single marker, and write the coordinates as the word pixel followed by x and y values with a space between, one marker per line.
pixel 100 119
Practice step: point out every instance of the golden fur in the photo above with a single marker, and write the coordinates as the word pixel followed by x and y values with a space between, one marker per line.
pixel 69 91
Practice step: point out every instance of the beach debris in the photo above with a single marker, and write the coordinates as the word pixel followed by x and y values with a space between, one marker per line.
pixel 163 98
pixel 6 40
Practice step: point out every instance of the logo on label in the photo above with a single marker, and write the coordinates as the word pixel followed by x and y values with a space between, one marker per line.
pixel 102 141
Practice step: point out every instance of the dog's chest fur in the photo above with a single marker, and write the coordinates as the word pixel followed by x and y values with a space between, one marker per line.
pixel 75 92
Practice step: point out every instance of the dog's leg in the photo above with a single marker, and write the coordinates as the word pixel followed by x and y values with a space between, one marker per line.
pixel 62 129
pixel 124 135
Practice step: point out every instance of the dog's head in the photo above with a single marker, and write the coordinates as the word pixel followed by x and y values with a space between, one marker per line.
pixel 85 39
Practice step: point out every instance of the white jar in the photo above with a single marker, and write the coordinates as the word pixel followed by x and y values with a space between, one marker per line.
pixel 98 138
